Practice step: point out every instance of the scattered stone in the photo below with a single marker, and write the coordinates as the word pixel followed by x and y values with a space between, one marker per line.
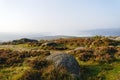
pixel 49 44
pixel 80 48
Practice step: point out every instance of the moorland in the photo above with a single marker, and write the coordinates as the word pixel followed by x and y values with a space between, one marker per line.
pixel 25 59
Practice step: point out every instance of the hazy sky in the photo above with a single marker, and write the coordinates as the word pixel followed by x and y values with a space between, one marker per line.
pixel 58 16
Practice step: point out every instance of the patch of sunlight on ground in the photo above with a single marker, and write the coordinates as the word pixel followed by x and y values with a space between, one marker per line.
pixel 12 73
pixel 115 73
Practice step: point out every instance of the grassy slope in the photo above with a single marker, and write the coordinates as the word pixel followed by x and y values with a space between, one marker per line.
pixel 19 47
pixel 97 71
pixel 107 71
pixel 115 73
pixel 12 73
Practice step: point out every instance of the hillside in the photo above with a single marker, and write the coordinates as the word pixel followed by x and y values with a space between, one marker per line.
pixel 93 58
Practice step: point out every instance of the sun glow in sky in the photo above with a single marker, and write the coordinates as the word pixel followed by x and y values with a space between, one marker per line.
pixel 58 16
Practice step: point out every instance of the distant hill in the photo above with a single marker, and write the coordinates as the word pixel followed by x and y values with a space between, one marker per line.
pixel 44 36
pixel 37 36
pixel 51 37
pixel 13 36
pixel 103 32
pixel 20 41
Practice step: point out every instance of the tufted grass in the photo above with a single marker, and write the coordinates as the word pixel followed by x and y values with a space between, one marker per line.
pixel 96 71
pixel 12 73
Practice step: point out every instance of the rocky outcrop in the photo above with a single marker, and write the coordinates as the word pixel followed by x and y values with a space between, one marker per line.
pixel 53 46
pixel 23 40
pixel 49 44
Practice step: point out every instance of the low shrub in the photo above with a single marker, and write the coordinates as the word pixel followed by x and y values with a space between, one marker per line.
pixel 38 63
pixel 31 75
pixel 51 73
pixel 105 54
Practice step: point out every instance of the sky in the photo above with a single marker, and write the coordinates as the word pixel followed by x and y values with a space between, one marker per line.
pixel 58 16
